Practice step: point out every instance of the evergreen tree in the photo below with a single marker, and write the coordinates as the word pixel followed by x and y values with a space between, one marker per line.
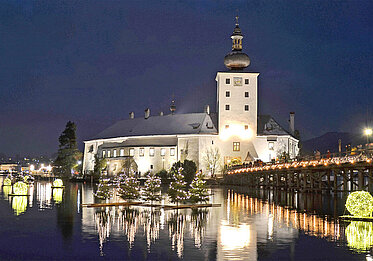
pixel 129 188
pixel 189 169
pixel 152 188
pixel 100 165
pixel 103 190
pixel 177 191
pixel 68 152
pixel 198 189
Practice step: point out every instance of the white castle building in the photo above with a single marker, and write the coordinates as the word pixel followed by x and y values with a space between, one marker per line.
pixel 235 131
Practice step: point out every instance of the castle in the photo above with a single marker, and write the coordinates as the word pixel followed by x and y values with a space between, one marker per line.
pixel 235 133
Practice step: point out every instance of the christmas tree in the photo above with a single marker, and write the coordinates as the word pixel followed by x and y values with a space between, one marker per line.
pixel 177 187
pixel 152 188
pixel 103 190
pixel 129 188
pixel 198 191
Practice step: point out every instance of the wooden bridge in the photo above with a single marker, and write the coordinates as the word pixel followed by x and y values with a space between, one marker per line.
pixel 335 174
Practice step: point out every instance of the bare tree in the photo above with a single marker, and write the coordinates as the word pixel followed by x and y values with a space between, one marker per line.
pixel 212 159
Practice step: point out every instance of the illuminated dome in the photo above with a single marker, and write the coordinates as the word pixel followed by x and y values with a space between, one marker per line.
pixel 236 60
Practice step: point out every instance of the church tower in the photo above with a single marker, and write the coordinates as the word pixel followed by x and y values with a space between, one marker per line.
pixel 237 90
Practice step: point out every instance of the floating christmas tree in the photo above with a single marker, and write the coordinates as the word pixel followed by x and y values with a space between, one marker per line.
pixel 152 188
pixel 198 190
pixel 177 191
pixel 103 190
pixel 129 188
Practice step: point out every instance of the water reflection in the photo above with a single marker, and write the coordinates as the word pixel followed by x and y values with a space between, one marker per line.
pixel 249 225
pixel 360 235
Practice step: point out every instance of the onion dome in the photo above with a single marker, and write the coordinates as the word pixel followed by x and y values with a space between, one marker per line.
pixel 236 59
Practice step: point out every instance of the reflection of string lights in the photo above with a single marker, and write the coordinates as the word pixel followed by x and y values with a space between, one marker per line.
pixel 311 224
pixel 312 163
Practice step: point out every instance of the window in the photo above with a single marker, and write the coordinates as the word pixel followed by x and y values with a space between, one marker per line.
pixel 121 153
pixel 103 153
pixel 246 127
pixel 227 126
pixel 227 81
pixel 237 81
pixel 212 142
pixel 114 153
pixel 227 107
pixel 132 152
pixel 163 151
pixel 236 146
pixel 151 152
pixel 90 148
pixel 227 94
pixel 246 107
pixel 141 152
pixel 246 81
pixel 172 152
pixel 271 145
pixel 108 153
pixel 151 166
pixel 246 94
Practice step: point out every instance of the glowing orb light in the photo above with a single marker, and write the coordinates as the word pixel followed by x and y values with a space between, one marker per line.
pixel 360 203
pixel 58 183
pixel 7 182
pixel 359 235
pixel 20 188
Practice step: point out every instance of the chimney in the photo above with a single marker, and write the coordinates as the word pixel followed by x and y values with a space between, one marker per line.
pixel 207 109
pixel 161 113
pixel 173 107
pixel 132 115
pixel 147 113
pixel 291 123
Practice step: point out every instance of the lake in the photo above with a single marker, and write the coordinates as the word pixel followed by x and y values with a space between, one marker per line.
pixel 51 224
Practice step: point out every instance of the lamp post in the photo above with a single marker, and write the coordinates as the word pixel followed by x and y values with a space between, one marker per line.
pixel 368 132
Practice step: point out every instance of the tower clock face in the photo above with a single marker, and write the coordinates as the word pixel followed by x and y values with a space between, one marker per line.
pixel 237 81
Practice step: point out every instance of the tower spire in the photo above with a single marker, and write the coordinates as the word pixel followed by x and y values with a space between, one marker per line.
pixel 236 60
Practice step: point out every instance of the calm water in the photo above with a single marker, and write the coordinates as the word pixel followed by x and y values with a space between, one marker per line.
pixel 249 225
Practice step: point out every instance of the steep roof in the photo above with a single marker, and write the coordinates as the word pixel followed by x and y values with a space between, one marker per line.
pixel 190 123
pixel 268 126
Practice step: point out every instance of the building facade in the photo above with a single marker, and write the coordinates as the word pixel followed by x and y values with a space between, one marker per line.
pixel 235 133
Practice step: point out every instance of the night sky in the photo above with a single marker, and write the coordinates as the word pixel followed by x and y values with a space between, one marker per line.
pixel 93 62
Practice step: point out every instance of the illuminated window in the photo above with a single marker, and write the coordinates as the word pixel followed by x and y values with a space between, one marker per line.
pixel 141 152
pixel 163 151
pixel 108 153
pixel 227 126
pixel 103 153
pixel 236 146
pixel 227 94
pixel 114 153
pixel 151 152
pixel 121 153
pixel 246 94
pixel 227 107
pixel 172 152
pixel 246 107
pixel 271 145
pixel 246 127
pixel 132 152
pixel 246 81
pixel 227 81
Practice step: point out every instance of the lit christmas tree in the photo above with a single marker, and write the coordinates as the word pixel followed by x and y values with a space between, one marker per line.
pixel 198 190
pixel 103 190
pixel 129 188
pixel 152 187
pixel 177 191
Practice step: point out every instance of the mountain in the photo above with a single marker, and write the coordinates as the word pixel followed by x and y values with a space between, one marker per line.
pixel 329 141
